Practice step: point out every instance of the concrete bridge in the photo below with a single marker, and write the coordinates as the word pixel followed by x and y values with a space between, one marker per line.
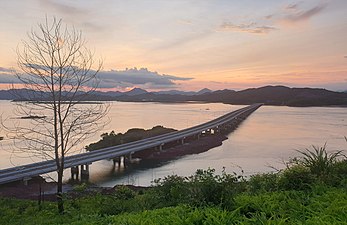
pixel 26 172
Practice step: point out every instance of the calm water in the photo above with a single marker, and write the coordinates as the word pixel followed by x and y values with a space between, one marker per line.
pixel 269 136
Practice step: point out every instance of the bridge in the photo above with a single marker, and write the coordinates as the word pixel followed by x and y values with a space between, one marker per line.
pixel 222 123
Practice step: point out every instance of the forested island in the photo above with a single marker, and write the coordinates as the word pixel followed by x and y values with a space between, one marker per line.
pixel 134 134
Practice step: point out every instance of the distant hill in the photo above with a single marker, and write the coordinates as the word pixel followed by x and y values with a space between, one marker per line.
pixel 269 95
pixel 176 92
pixel 281 95
pixel 135 91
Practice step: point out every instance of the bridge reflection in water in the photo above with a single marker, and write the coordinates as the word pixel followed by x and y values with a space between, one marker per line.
pixel 122 154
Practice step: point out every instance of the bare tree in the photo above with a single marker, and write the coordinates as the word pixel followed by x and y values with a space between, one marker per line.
pixel 57 72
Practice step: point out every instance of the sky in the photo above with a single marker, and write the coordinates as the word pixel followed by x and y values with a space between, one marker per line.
pixel 195 44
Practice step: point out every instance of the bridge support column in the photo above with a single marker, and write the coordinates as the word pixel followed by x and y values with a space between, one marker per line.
pixel 85 172
pixel 128 160
pixel 198 136
pixel 130 157
pixel 161 147
pixel 182 141
pixel 208 131
pixel 25 180
pixel 74 172
pixel 116 160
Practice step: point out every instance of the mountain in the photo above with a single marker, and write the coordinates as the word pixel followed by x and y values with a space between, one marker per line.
pixel 176 92
pixel 281 95
pixel 135 91
pixel 203 91
pixel 6 95
pixel 269 95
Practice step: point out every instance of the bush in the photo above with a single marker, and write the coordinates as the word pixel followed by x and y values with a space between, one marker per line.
pixel 266 182
pixel 318 160
pixel 296 177
pixel 201 189
pixel 124 193
pixel 172 190
pixel 80 187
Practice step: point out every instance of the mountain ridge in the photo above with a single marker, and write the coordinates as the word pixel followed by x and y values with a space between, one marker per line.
pixel 269 95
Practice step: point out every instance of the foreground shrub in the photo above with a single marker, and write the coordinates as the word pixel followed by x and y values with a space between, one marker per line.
pixel 124 193
pixel 318 160
pixel 263 183
pixel 201 189
pixel 172 190
pixel 296 177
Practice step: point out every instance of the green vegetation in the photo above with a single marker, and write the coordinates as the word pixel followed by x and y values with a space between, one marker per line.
pixel 135 134
pixel 303 193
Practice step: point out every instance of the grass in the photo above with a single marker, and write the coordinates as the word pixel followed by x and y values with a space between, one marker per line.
pixel 323 205
pixel 318 160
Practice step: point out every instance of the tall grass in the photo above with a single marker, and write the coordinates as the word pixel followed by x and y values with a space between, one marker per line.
pixel 318 160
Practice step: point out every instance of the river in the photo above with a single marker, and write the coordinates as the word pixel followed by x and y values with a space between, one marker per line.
pixel 261 143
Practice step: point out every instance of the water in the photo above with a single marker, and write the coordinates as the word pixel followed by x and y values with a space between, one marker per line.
pixel 266 138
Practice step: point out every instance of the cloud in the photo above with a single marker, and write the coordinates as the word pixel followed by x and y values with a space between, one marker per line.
pixel 185 22
pixel 303 15
pixel 293 6
pixel 7 76
pixel 252 28
pixel 117 78
pixel 269 17
pixel 137 77
pixel 5 70
pixel 72 14
pixel 62 8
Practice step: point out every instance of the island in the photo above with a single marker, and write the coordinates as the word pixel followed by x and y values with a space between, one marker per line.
pixel 134 134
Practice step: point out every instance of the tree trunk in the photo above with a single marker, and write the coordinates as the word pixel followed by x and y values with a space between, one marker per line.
pixel 60 192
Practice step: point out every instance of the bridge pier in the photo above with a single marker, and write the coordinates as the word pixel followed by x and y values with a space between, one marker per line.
pixel 74 172
pixel 208 131
pixel 25 180
pixel 117 160
pixel 161 147
pixel 127 160
pixel 85 172
pixel 198 136
pixel 130 157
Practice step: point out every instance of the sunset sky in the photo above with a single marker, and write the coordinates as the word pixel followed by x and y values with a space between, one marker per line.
pixel 195 44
